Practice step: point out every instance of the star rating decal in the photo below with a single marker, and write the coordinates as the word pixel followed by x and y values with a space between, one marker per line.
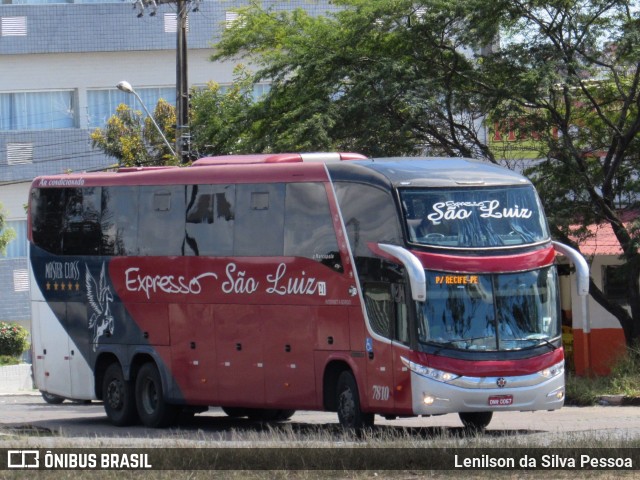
pixel 63 286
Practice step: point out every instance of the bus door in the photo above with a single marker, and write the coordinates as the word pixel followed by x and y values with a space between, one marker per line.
pixel 401 341
pixel 386 308
pixel 50 350
pixel 60 367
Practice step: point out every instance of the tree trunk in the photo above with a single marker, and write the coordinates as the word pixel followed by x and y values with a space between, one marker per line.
pixel 629 326
pixel 632 326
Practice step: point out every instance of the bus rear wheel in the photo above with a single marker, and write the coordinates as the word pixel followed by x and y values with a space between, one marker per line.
pixel 154 412
pixel 259 414
pixel 236 412
pixel 475 421
pixel 269 415
pixel 118 396
pixel 350 414
pixel 284 415
pixel 51 398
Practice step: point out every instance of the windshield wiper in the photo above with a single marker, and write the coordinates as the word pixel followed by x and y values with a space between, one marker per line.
pixel 453 343
pixel 541 340
pixel 548 343
pixel 442 346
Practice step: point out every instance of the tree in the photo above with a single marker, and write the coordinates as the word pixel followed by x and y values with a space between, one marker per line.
pixel 135 141
pixel 378 77
pixel 573 77
pixel 392 77
pixel 219 124
pixel 221 119
pixel 6 234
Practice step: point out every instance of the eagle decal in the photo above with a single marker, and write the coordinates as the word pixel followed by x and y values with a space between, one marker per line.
pixel 99 297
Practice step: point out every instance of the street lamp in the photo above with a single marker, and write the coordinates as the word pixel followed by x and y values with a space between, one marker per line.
pixel 127 88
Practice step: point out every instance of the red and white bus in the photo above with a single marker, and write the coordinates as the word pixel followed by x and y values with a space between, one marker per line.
pixel 265 284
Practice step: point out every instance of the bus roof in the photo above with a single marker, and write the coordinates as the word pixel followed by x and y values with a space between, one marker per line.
pixel 427 172
pixel 277 158
pixel 257 168
pixel 296 167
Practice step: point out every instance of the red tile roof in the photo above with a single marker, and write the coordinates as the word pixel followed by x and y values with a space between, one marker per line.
pixel 603 241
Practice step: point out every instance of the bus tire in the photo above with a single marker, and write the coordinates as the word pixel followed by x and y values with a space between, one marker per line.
pixel 154 412
pixel 350 414
pixel 118 397
pixel 236 412
pixel 475 421
pixel 283 415
pixel 51 399
pixel 269 415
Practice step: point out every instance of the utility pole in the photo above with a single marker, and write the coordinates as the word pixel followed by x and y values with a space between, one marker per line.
pixel 183 138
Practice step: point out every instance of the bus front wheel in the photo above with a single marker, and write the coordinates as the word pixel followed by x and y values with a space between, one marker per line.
pixel 475 421
pixel 154 412
pixel 118 396
pixel 350 414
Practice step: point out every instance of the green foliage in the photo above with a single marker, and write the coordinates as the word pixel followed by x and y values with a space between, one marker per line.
pixel 623 380
pixel 13 339
pixel 6 234
pixel 165 116
pixel 6 360
pixel 221 120
pixel 377 77
pixel 133 140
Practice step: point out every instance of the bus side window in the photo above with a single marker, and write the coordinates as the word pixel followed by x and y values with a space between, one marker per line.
pixel 387 310
pixel 259 221
pixel 210 220
pixel 369 215
pixel 309 230
pixel 379 305
pixel 47 205
pixel 161 220
pixel 119 221
pixel 401 330
pixel 81 234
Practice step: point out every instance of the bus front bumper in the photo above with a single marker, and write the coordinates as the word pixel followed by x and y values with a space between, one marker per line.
pixel 543 390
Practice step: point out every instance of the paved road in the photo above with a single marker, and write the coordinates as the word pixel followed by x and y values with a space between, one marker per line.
pixel 29 414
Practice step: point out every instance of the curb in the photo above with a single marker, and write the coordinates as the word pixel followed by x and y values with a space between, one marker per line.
pixel 17 393
pixel 618 401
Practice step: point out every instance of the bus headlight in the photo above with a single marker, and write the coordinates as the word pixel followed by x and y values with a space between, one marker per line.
pixel 432 373
pixel 553 371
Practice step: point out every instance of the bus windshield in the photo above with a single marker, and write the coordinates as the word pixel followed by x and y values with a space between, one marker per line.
pixel 474 217
pixel 490 312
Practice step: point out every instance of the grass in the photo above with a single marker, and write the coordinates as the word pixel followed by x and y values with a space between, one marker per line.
pixel 6 360
pixel 286 440
pixel 289 438
pixel 624 380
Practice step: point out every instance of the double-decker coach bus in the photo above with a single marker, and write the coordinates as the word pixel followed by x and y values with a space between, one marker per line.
pixel 264 284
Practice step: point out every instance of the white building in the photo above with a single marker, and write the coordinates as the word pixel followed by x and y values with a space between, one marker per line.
pixel 60 64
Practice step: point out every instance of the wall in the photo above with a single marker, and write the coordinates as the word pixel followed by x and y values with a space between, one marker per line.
pixel 594 352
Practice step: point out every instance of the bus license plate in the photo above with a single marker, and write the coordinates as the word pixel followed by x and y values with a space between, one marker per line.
pixel 500 400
